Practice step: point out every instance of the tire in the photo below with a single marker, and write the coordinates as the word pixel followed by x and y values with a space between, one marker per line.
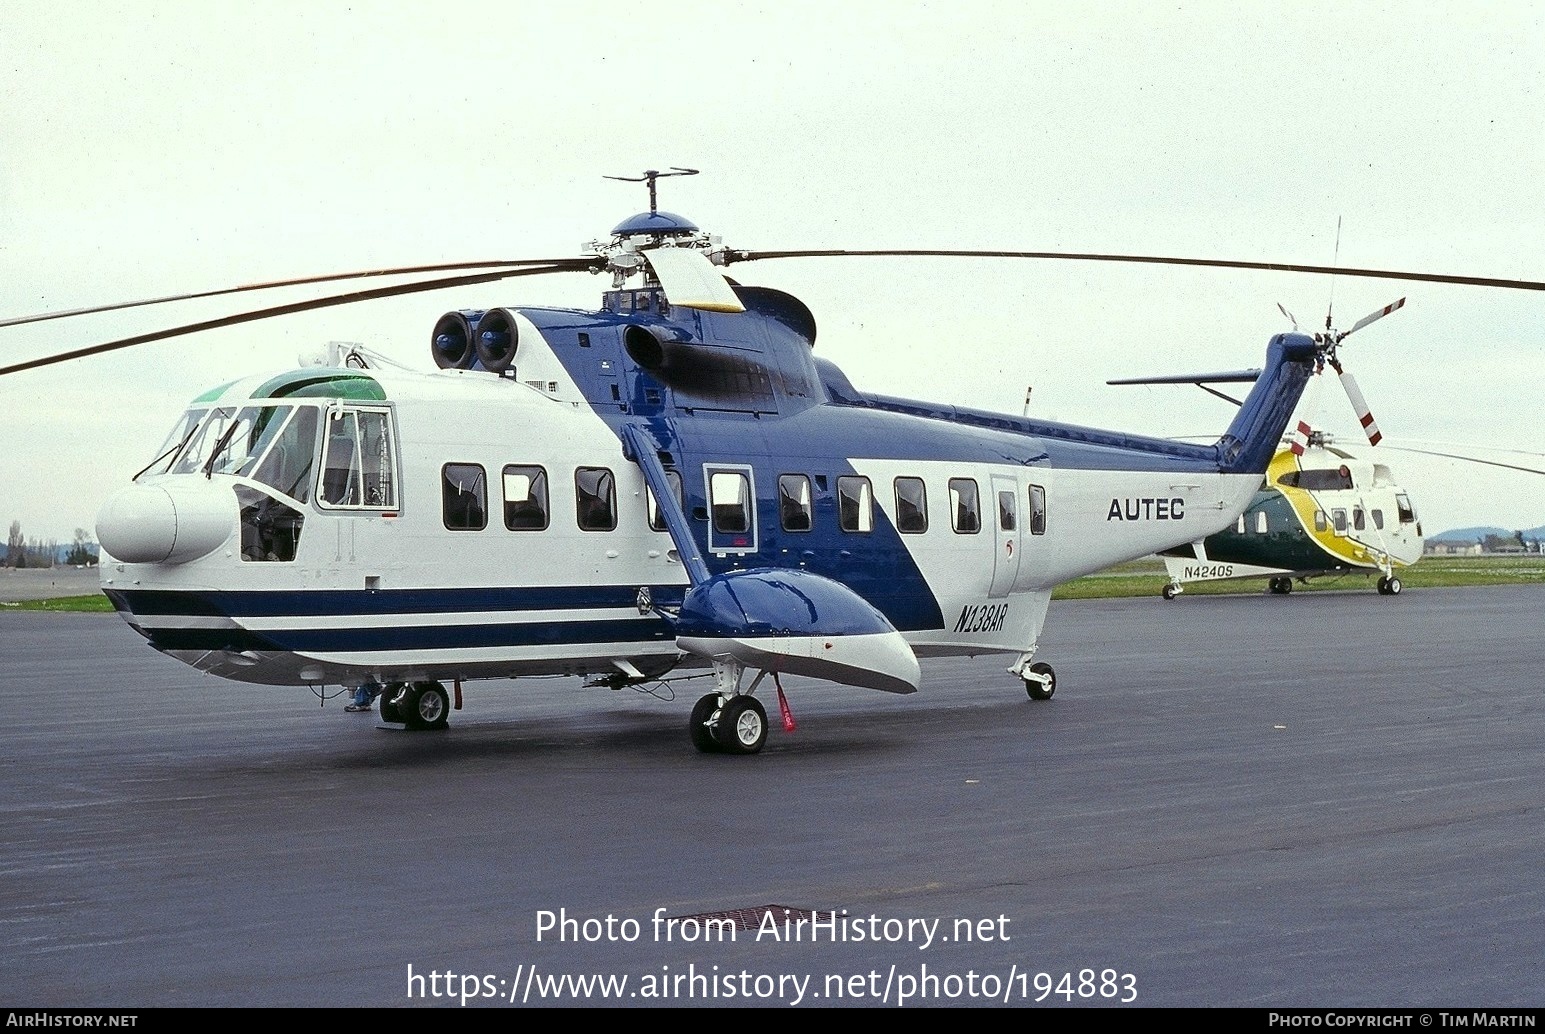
pixel 742 726
pixel 700 725
pixel 389 698
pixel 1393 588
pixel 1037 691
pixel 1170 592
pixel 425 706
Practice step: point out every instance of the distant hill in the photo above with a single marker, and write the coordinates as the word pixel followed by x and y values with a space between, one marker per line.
pixel 1477 534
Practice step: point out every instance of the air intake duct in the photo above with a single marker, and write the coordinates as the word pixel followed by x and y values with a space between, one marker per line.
pixel 451 342
pixel 496 340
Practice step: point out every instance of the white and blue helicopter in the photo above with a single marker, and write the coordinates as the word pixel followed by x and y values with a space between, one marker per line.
pixel 672 481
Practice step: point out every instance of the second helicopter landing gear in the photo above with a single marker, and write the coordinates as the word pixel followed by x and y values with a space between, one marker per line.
pixel 1389 586
pixel 1280 586
pixel 1171 590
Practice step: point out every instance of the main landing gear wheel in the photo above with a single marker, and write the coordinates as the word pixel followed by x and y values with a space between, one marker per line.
pixel 1281 586
pixel 742 726
pixel 1389 586
pixel 1170 591
pixel 1038 690
pixel 701 725
pixel 388 700
pixel 424 705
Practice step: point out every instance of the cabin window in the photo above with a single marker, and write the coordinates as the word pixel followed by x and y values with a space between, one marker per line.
pixel 1359 519
pixel 464 496
pixel 965 507
pixel 595 499
pixel 730 497
pixel 525 498
pixel 1037 510
pixel 1406 510
pixel 1320 523
pixel 357 464
pixel 657 515
pixel 794 507
pixel 911 506
pixel 1318 480
pixel 1378 519
pixel 855 504
pixel 1260 522
pixel 1239 525
pixel 1338 517
pixel 1006 511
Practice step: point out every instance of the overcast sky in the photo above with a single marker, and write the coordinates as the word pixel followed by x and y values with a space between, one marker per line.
pixel 154 148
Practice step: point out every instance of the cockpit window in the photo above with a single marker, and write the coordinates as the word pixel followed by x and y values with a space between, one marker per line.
pixel 166 455
pixel 243 442
pixel 289 463
pixel 358 465
pixel 211 432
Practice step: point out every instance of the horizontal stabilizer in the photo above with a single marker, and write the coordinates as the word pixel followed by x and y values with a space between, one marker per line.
pixel 1228 377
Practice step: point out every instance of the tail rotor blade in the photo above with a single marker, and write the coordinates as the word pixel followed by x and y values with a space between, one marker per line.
pixel 1300 438
pixel 1360 405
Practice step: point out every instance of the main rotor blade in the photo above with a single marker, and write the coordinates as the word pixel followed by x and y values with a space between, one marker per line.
pixel 1467 459
pixel 294 307
pixel 17 321
pixel 1158 260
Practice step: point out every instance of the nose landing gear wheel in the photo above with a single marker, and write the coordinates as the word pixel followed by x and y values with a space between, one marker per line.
pixel 742 726
pixel 1038 690
pixel 1389 586
pixel 701 725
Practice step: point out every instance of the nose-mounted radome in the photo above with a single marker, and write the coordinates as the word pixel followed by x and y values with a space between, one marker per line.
pixel 172 521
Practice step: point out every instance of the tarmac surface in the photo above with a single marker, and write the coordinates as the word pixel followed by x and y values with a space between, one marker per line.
pixel 1327 799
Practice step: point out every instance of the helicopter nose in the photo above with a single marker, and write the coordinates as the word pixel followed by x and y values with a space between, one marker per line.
pixel 172 522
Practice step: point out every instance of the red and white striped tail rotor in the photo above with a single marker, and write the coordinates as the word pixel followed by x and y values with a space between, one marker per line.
pixel 1360 404
pixel 1299 440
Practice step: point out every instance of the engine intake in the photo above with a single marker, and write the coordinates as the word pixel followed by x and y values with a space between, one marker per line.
pixel 451 341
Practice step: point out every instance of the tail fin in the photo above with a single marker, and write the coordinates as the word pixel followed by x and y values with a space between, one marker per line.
pixel 1254 436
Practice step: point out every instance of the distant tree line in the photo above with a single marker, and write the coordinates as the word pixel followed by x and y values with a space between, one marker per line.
pixel 21 552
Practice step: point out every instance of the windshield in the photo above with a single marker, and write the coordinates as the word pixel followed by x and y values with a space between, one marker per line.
pixel 241 444
pixel 167 453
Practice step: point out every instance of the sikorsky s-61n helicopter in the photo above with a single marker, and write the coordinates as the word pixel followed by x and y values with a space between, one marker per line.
pixel 674 480
pixel 1319 511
